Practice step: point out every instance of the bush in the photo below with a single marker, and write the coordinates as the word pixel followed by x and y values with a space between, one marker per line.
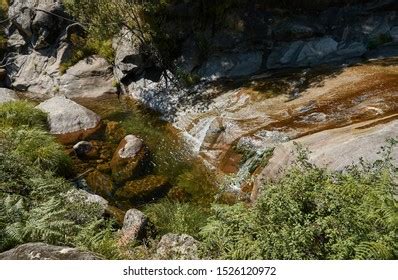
pixel 21 113
pixel 37 147
pixel 312 214
pixel 169 216
pixel 35 204
pixel 85 47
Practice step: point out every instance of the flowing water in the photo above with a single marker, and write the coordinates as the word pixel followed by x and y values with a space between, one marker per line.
pixel 169 156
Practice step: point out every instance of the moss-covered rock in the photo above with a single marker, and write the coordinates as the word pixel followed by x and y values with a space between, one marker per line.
pixel 146 189
pixel 129 159
pixel 100 183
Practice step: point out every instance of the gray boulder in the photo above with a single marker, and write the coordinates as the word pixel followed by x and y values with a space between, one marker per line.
pixel 135 225
pixel 231 65
pixel 90 77
pixel 7 95
pixel 35 72
pixel 174 246
pixel 84 197
pixel 37 22
pixel 69 120
pixel 129 62
pixel 42 251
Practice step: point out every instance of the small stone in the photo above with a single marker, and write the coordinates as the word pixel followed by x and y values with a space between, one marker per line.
pixel 134 226
pixel 82 148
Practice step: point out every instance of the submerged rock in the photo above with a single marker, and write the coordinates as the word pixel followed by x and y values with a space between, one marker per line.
pixel 116 214
pixel 114 132
pixel 149 188
pixel 7 95
pixel 174 246
pixel 82 148
pixel 68 120
pixel 100 183
pixel 42 251
pixel 129 159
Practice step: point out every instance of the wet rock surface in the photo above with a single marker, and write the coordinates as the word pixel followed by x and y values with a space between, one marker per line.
pixel 129 159
pixel 142 190
pixel 100 183
pixel 252 115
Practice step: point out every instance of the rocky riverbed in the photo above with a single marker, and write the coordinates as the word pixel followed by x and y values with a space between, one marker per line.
pixel 270 81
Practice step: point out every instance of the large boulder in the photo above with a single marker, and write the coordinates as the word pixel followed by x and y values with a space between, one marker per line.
pixel 40 37
pixel 40 22
pixel 7 95
pixel 334 149
pixel 129 61
pixel 36 72
pixel 90 77
pixel 174 246
pixel 42 251
pixel 129 159
pixel 68 120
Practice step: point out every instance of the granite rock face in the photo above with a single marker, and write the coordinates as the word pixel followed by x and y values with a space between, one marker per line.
pixel 42 251
pixel 7 95
pixel 69 120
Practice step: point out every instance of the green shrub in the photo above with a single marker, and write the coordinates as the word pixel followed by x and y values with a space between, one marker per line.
pixel 38 148
pixel 35 204
pixel 170 216
pixel 21 113
pixel 85 47
pixel 312 214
